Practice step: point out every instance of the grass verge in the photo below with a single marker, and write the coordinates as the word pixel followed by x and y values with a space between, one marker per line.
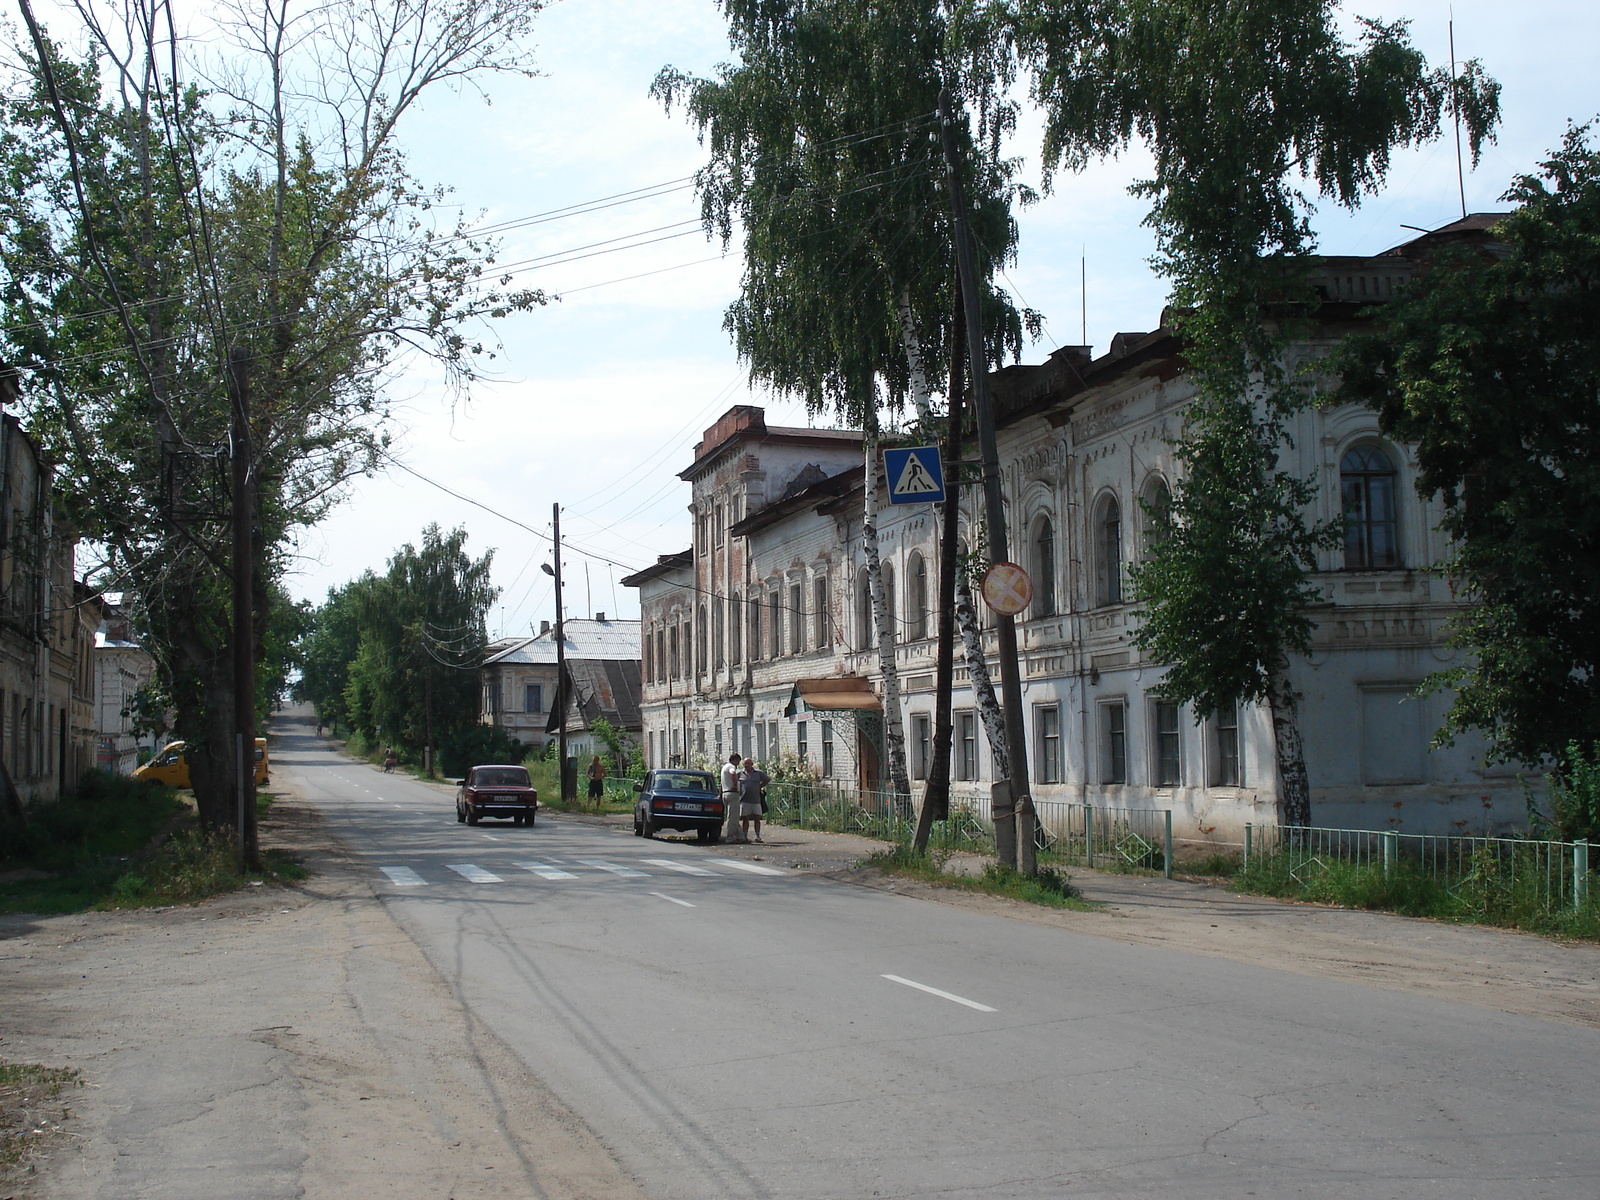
pixel 104 848
pixel 31 1109
pixel 1486 896
pixel 1050 887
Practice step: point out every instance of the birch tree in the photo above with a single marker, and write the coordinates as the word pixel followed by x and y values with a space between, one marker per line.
pixel 171 205
pixel 1250 108
pixel 824 150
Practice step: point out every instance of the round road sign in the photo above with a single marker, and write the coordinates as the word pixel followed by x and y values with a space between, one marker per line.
pixel 1007 589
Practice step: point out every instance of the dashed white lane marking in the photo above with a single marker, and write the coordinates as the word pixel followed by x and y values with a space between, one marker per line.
pixel 686 868
pixel 738 865
pixel 673 899
pixel 491 837
pixel 933 991
pixel 545 870
pixel 601 864
pixel 403 876
pixel 473 873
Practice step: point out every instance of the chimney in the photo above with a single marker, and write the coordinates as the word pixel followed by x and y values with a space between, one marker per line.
pixel 599 616
pixel 544 628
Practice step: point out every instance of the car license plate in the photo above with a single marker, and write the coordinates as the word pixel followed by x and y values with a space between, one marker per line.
pixel 689 806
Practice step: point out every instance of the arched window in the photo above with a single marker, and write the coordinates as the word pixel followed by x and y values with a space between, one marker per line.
pixel 719 634
pixel 865 637
pixel 1108 551
pixel 1366 488
pixel 735 621
pixel 917 601
pixel 1044 568
pixel 1155 511
pixel 700 640
pixel 755 625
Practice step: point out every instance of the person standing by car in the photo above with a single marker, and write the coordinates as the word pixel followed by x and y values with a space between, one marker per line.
pixel 752 783
pixel 730 797
pixel 597 780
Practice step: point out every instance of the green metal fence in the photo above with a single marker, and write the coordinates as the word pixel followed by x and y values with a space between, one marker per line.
pixel 1483 875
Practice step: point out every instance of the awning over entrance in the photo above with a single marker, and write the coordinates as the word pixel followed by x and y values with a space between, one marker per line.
pixel 841 693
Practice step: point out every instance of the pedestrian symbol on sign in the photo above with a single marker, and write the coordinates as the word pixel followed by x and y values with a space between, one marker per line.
pixel 916 476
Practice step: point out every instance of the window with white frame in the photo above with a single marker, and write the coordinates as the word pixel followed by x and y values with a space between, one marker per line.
pixel 1044 568
pixel 775 640
pixel 1367 492
pixel 819 611
pixel 801 748
pixel 1047 734
pixel 1108 550
pixel 735 621
pixel 966 745
pixel 1229 770
pixel 921 745
pixel 797 622
pixel 533 698
pixel 916 597
pixel 1168 744
pixel 827 749
pixel 1114 742
pixel 755 625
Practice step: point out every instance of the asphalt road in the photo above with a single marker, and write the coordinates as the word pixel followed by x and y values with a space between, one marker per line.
pixel 729 1033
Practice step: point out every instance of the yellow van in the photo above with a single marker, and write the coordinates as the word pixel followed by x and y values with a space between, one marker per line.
pixel 172 768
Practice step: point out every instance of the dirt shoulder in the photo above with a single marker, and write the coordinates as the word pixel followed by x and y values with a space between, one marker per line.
pixel 279 1042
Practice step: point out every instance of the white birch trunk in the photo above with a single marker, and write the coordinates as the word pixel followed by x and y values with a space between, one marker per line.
pixel 994 722
pixel 894 737
pixel 916 364
pixel 1294 787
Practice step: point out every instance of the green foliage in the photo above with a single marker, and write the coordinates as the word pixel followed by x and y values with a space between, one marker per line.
pixel 1049 887
pixel 1572 797
pixel 1225 587
pixel 151 231
pixel 823 148
pixel 109 815
pixel 1490 364
pixel 1497 891
pixel 395 657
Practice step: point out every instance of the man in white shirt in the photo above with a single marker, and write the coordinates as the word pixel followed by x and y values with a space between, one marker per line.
pixel 730 799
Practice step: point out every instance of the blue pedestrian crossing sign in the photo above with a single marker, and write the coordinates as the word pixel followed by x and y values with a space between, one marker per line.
pixel 915 474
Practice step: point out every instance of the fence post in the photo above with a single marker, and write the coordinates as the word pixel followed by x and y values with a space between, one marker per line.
pixel 1088 835
pixel 1391 848
pixel 1580 873
pixel 1249 832
pixel 1166 855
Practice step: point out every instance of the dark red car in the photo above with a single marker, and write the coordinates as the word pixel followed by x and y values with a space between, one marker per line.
pixel 497 791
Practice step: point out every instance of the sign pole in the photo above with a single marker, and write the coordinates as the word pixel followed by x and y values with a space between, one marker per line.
pixel 1019 853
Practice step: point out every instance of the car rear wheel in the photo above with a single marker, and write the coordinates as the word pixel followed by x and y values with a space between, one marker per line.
pixel 638 829
pixel 528 820
pixel 460 816
pixel 649 828
pixel 472 815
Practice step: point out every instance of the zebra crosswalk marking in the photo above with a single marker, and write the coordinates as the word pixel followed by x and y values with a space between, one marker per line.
pixel 686 868
pixel 739 865
pixel 601 864
pixel 403 877
pixel 473 873
pixel 545 870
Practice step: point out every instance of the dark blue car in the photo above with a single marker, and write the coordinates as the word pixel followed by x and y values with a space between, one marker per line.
pixel 678 799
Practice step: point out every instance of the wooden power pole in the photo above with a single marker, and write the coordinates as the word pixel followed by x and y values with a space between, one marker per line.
pixel 1012 799
pixel 244 656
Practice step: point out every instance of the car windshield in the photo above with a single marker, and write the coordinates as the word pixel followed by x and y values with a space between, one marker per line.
pixel 683 781
pixel 500 777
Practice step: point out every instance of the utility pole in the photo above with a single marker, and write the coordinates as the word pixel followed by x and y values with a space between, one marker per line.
pixel 1010 798
pixel 244 664
pixel 936 792
pixel 561 663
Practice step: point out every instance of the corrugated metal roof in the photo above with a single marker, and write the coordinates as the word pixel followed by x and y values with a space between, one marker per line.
pixel 585 639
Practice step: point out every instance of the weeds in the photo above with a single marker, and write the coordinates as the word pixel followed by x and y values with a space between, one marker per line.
pixel 30 1107
pixel 1490 892
pixel 94 851
pixel 1049 887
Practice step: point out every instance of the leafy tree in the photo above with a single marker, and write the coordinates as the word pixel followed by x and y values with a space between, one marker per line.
pixel 1247 105
pixel 1489 363
pixel 413 680
pixel 154 227
pixel 825 151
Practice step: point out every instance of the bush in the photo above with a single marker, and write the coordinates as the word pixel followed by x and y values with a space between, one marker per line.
pixel 1574 798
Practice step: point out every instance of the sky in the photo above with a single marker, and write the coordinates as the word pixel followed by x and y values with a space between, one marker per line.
pixel 594 402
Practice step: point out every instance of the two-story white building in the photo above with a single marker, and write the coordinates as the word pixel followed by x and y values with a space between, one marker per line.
pixel 759 637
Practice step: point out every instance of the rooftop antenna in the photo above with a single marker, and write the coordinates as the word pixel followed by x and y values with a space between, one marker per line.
pixel 1455 112
pixel 1083 294
pixel 588 592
